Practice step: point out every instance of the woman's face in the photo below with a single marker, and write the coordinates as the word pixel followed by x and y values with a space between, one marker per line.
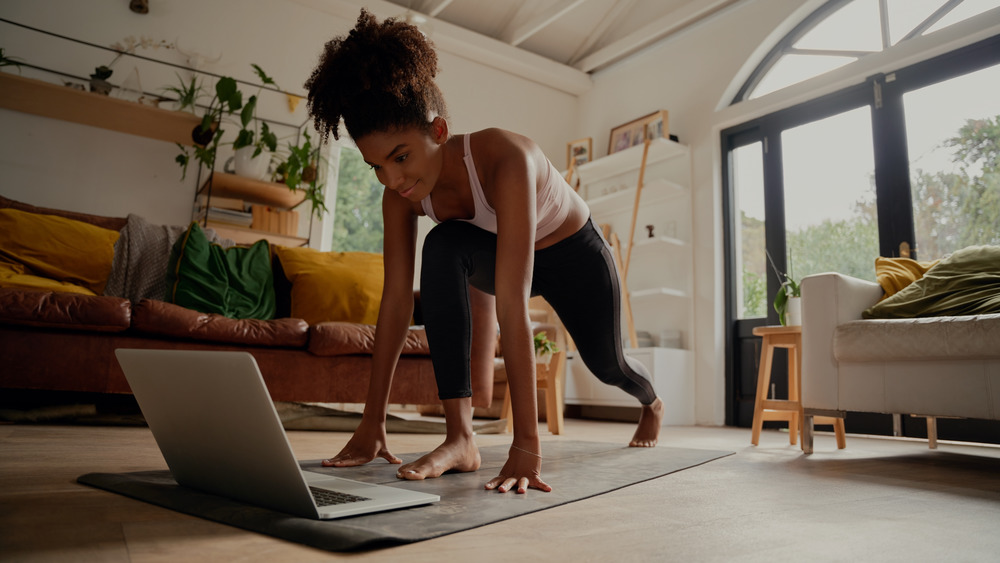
pixel 406 161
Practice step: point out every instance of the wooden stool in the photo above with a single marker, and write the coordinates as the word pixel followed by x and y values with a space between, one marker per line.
pixel 790 410
pixel 550 378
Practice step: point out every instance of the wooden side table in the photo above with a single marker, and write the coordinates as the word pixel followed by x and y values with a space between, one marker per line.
pixel 790 410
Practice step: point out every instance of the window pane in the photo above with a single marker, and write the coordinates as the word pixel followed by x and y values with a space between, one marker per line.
pixel 855 27
pixel 357 222
pixel 904 15
pixel 830 215
pixel 964 11
pixel 953 139
pixel 748 190
pixel 792 69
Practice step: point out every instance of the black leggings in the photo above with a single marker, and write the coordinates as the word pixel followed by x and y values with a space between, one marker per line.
pixel 577 276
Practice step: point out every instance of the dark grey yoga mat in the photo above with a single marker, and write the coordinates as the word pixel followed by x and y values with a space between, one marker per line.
pixel 464 503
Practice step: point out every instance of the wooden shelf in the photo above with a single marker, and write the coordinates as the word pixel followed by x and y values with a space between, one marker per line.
pixel 656 190
pixel 659 242
pixel 254 191
pixel 658 292
pixel 630 158
pixel 68 104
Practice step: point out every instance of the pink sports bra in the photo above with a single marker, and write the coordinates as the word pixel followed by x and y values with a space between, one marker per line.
pixel 552 201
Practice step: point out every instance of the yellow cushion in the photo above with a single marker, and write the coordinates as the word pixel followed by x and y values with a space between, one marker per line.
pixel 894 274
pixel 13 275
pixel 333 286
pixel 60 249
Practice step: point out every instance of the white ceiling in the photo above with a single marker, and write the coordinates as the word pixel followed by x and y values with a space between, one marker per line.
pixel 558 42
pixel 585 34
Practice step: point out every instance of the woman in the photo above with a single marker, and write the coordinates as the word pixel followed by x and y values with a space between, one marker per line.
pixel 509 227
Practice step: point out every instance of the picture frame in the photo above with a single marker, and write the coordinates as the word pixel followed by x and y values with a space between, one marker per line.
pixel 656 125
pixel 579 152
pixel 635 132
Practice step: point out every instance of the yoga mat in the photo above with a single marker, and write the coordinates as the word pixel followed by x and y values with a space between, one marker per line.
pixel 576 470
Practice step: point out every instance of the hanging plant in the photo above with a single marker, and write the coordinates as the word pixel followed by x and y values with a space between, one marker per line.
pixel 248 135
pixel 206 136
pixel 301 167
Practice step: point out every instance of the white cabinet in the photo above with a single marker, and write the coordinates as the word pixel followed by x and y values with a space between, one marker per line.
pixel 671 379
pixel 660 279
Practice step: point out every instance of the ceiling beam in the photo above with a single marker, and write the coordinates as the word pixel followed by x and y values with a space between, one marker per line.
pixel 597 35
pixel 673 22
pixel 468 44
pixel 434 7
pixel 521 33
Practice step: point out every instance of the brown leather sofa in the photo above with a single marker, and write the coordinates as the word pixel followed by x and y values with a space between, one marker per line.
pixel 65 342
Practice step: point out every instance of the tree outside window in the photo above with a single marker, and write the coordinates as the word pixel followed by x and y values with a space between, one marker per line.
pixel 357 222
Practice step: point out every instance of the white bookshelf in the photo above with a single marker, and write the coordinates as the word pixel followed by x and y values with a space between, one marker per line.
pixel 660 279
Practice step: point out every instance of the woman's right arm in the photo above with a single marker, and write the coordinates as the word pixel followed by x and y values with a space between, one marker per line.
pixel 395 312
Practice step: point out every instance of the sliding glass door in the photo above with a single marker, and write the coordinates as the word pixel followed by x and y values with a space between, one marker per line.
pixel 907 162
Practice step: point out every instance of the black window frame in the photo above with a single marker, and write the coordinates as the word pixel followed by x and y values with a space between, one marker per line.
pixel 883 94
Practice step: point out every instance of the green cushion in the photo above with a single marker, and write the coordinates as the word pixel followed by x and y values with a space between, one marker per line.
pixel 236 282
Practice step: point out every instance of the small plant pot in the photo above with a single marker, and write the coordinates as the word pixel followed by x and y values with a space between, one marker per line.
pixel 202 137
pixel 793 312
pixel 309 173
pixel 247 165
pixel 100 86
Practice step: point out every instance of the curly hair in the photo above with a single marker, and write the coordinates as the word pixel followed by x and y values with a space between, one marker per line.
pixel 380 77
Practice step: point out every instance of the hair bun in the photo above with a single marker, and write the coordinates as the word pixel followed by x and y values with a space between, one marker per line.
pixel 391 55
pixel 375 66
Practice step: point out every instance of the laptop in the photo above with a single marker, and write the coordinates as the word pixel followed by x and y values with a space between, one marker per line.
pixel 215 424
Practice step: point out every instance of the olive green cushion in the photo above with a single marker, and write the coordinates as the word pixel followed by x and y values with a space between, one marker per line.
pixel 236 282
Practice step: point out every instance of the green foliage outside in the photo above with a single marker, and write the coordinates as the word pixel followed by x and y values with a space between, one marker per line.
pixel 951 211
pixel 955 210
pixel 357 223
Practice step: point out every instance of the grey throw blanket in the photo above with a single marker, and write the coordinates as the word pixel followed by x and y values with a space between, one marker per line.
pixel 142 253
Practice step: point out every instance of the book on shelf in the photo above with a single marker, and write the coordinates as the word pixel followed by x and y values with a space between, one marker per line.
pixel 227 216
pixel 233 203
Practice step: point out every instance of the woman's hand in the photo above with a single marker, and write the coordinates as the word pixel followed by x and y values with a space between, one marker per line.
pixel 522 471
pixel 367 443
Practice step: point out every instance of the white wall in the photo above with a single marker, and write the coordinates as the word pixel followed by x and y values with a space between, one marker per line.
pixel 687 75
pixel 52 163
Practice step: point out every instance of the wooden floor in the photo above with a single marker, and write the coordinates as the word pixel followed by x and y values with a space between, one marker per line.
pixel 878 500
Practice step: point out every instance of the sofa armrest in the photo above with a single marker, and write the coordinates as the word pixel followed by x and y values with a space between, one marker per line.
pixel 828 300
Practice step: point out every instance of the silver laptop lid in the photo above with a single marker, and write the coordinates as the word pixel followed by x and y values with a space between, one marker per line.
pixel 211 426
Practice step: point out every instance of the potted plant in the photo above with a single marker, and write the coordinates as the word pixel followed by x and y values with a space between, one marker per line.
pixel 187 94
pixel 788 300
pixel 250 160
pixel 206 136
pixel 544 348
pixel 299 170
pixel 99 80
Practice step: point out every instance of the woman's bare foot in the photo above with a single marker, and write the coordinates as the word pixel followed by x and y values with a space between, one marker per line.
pixel 648 431
pixel 453 455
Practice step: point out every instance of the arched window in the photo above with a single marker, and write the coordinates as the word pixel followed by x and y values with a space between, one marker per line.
pixel 841 32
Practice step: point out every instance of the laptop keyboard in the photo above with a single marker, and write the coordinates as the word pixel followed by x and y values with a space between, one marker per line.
pixel 326 497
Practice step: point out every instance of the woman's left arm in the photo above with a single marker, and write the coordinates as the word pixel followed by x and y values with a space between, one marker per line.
pixel 511 170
